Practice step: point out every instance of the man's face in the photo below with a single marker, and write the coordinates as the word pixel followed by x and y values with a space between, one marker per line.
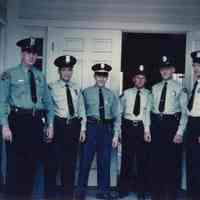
pixel 29 58
pixel 196 70
pixel 139 81
pixel 167 72
pixel 100 80
pixel 66 73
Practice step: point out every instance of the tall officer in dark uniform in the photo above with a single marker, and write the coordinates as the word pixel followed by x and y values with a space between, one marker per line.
pixel 69 123
pixel 135 108
pixel 193 133
pixel 25 104
pixel 1 174
pixel 168 122
pixel 103 127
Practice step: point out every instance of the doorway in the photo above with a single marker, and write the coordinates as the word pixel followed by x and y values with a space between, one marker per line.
pixel 147 49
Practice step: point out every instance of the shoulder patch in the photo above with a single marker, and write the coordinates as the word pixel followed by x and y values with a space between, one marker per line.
pixel 5 75
pixel 185 90
pixel 121 95
pixel 76 91
pixel 50 88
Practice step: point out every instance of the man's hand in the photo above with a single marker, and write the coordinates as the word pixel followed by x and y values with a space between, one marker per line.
pixel 49 134
pixel 147 136
pixel 199 139
pixel 6 133
pixel 115 142
pixel 82 136
pixel 178 139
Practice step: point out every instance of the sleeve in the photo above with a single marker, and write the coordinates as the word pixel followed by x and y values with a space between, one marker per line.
pixel 81 111
pixel 183 100
pixel 147 116
pixel 117 116
pixel 48 104
pixel 4 97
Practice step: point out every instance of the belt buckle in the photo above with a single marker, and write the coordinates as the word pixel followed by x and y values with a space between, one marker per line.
pixel 135 123
pixel 161 116
pixel 33 112
pixel 99 121
pixel 67 121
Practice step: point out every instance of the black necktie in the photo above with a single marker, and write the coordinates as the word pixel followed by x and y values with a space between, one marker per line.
pixel 32 86
pixel 163 98
pixel 101 105
pixel 136 109
pixel 190 103
pixel 69 101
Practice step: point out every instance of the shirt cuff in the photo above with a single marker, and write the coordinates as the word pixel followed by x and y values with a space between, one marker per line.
pixel 147 129
pixel 4 122
pixel 179 132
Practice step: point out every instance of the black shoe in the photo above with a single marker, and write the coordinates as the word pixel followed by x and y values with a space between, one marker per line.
pixel 141 196
pixel 79 196
pixel 105 196
pixel 123 194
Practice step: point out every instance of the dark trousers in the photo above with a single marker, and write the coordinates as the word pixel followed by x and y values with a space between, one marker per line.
pixel 1 174
pixel 193 157
pixel 23 153
pixel 65 153
pixel 165 158
pixel 99 140
pixel 134 155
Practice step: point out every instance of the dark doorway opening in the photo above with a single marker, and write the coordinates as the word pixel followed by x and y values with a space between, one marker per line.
pixel 147 49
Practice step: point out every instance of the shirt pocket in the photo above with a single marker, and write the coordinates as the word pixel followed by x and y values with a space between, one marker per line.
pixel 19 87
pixel 92 100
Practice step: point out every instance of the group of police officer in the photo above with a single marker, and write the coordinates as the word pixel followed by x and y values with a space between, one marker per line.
pixel 49 123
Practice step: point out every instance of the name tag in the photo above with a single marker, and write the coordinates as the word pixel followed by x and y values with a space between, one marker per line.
pixel 20 80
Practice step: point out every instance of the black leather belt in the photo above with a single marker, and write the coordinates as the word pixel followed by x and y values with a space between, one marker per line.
pixel 162 116
pixel 24 111
pixel 132 122
pixel 68 121
pixel 99 121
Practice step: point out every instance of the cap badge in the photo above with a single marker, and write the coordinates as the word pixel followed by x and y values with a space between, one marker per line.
pixel 32 42
pixel 164 58
pixel 67 59
pixel 141 67
pixel 102 66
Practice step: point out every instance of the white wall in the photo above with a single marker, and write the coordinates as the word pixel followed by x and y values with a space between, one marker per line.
pixel 115 11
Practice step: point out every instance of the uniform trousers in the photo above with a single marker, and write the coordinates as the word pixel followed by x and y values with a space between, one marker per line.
pixel 65 148
pixel 23 153
pixel 192 157
pixel 166 157
pixel 99 141
pixel 134 155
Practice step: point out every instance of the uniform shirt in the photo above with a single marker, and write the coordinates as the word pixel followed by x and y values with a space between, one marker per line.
pixel 127 106
pixel 16 92
pixel 195 112
pixel 111 105
pixel 58 92
pixel 176 101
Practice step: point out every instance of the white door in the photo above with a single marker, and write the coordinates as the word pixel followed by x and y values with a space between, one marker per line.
pixel 192 44
pixel 89 47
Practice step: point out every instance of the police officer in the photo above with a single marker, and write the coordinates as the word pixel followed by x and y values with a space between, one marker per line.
pixel 69 123
pixel 135 108
pixel 103 127
pixel 1 174
pixel 168 122
pixel 193 133
pixel 25 102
